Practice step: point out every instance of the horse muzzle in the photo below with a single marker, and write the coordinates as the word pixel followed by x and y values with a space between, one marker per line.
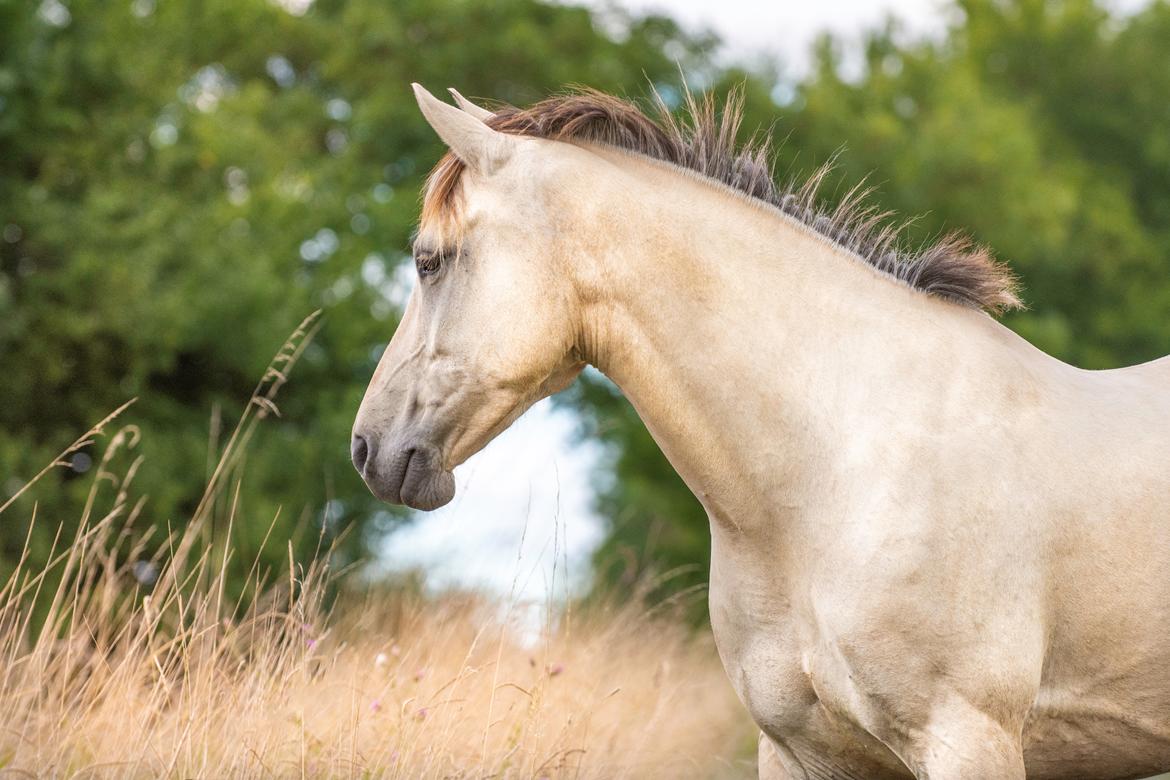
pixel 409 473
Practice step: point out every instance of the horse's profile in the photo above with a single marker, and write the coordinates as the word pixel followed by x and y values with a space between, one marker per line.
pixel 936 551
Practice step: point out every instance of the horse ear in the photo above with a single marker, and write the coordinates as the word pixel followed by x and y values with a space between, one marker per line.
pixel 482 114
pixel 481 148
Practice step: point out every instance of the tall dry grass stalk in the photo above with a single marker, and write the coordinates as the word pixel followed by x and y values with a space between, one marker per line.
pixel 103 676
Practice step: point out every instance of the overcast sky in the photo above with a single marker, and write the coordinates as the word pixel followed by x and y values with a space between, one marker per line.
pixel 533 484
pixel 785 28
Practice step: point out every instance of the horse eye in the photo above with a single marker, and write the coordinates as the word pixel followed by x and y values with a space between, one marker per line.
pixel 428 264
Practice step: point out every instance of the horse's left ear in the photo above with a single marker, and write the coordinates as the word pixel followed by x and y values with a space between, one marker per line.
pixel 481 148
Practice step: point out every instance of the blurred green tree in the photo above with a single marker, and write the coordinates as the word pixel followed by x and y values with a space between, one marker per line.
pixel 181 183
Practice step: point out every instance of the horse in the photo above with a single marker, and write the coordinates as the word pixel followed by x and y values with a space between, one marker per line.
pixel 937 552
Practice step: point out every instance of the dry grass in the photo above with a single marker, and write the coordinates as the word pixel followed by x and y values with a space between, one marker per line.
pixel 400 686
pixel 101 677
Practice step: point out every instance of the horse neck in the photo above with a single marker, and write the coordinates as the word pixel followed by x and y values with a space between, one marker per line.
pixel 748 344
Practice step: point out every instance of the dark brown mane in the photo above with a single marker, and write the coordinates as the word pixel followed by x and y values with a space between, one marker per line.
pixel 703 140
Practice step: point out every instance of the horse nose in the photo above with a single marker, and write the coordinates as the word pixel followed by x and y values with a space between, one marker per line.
pixel 359 450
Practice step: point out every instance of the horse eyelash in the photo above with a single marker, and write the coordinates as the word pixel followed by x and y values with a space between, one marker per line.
pixel 423 262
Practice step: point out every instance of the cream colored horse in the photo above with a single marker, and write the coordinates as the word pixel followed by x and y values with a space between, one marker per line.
pixel 936 551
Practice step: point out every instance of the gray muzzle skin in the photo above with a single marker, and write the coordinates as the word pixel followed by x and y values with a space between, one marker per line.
pixel 404 473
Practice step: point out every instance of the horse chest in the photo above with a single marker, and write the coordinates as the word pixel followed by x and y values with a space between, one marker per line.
pixel 787 673
pixel 758 634
pixel 784 684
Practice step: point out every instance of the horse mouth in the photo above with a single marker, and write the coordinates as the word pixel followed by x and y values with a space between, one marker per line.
pixel 413 476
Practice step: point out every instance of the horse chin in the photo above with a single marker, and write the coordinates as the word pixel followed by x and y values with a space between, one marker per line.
pixel 413 476
pixel 431 491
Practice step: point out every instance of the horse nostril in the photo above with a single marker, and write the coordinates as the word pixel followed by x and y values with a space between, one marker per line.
pixel 359 451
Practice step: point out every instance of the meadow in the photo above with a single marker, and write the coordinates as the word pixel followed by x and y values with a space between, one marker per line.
pixel 127 656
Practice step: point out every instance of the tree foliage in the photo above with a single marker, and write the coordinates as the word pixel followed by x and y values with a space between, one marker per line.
pixel 181 183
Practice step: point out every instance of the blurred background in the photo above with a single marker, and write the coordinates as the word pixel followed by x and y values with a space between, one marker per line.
pixel 182 182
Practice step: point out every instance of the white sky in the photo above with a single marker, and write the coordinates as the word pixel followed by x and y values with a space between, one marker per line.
pixel 786 28
pixel 535 481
